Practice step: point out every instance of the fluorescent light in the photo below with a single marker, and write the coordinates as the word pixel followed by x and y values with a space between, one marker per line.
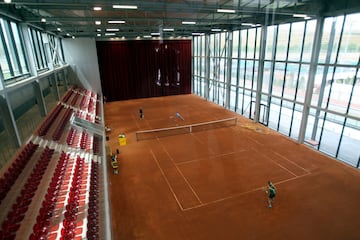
pixel 307 18
pixel 247 24
pixel 147 36
pixel 116 21
pixel 99 34
pixel 110 34
pixel 98 30
pixel 68 34
pixel 155 34
pixel 59 29
pixel 98 22
pixel 7 1
pixel 186 22
pixel 197 34
pixel 43 20
pixel 73 37
pixel 112 29
pixel 97 8
pixel 225 10
pixel 300 15
pixel 168 29
pixel 125 6
pixel 216 30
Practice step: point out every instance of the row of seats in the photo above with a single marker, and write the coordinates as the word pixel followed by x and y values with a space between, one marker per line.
pixel 61 126
pixel 84 142
pixel 45 126
pixel 92 232
pixel 72 207
pixel 71 137
pixel 67 96
pixel 20 207
pixel 13 172
pixel 41 227
pixel 96 145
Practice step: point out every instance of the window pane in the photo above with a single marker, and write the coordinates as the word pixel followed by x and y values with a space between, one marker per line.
pixel 282 41
pixel 297 31
pixel 350 45
pixel 309 39
pixel 270 42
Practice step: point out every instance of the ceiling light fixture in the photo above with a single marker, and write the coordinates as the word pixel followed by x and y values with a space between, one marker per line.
pixel 300 15
pixel 98 22
pixel 110 34
pixel 125 6
pixel 97 8
pixel 43 20
pixel 225 10
pixel 147 36
pixel 116 21
pixel 168 29
pixel 99 34
pixel 59 29
pixel 112 29
pixel 7 1
pixel 216 30
pixel 189 23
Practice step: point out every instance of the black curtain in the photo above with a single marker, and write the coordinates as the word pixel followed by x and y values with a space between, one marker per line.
pixel 140 69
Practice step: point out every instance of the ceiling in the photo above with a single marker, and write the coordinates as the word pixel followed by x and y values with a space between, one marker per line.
pixel 76 18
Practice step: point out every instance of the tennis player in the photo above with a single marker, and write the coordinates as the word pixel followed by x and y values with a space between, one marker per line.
pixel 271 190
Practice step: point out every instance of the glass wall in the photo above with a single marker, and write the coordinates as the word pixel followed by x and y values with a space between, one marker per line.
pixel 24 102
pixel 330 110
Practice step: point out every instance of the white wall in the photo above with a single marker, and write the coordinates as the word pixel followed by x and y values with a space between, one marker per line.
pixel 81 55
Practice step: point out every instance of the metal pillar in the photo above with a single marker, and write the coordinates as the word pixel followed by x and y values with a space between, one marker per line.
pixel 9 120
pixel 229 67
pixel 311 79
pixel 260 72
pixel 39 98
pixel 207 67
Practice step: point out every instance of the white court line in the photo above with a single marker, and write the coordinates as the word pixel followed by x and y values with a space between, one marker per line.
pixel 177 168
pixel 281 166
pixel 167 181
pixel 213 156
pixel 241 194
pixel 282 156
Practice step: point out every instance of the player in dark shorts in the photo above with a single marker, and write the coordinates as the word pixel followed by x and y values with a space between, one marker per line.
pixel 271 190
pixel 141 113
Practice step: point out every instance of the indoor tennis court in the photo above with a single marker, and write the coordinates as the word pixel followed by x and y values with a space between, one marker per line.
pixel 209 183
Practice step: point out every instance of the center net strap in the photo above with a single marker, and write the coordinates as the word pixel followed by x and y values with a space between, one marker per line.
pixel 171 131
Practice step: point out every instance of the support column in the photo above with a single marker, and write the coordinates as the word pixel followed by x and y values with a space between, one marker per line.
pixel 54 81
pixel 229 68
pixel 39 98
pixel 260 72
pixel 9 120
pixel 311 78
pixel 207 67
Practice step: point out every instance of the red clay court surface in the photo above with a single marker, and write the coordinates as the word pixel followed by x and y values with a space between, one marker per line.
pixel 209 184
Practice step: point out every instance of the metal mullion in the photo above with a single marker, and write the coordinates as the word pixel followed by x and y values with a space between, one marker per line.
pixel 238 73
pixel 22 40
pixel 246 50
pixel 348 106
pixel 284 79
pixel 34 42
pixel 13 47
pixel 199 64
pixel 42 51
pixel 7 55
pixel 298 75
pixel 253 70
pixel 331 84
pixel 271 80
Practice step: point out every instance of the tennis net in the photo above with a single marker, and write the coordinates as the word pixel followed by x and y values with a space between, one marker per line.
pixel 171 131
